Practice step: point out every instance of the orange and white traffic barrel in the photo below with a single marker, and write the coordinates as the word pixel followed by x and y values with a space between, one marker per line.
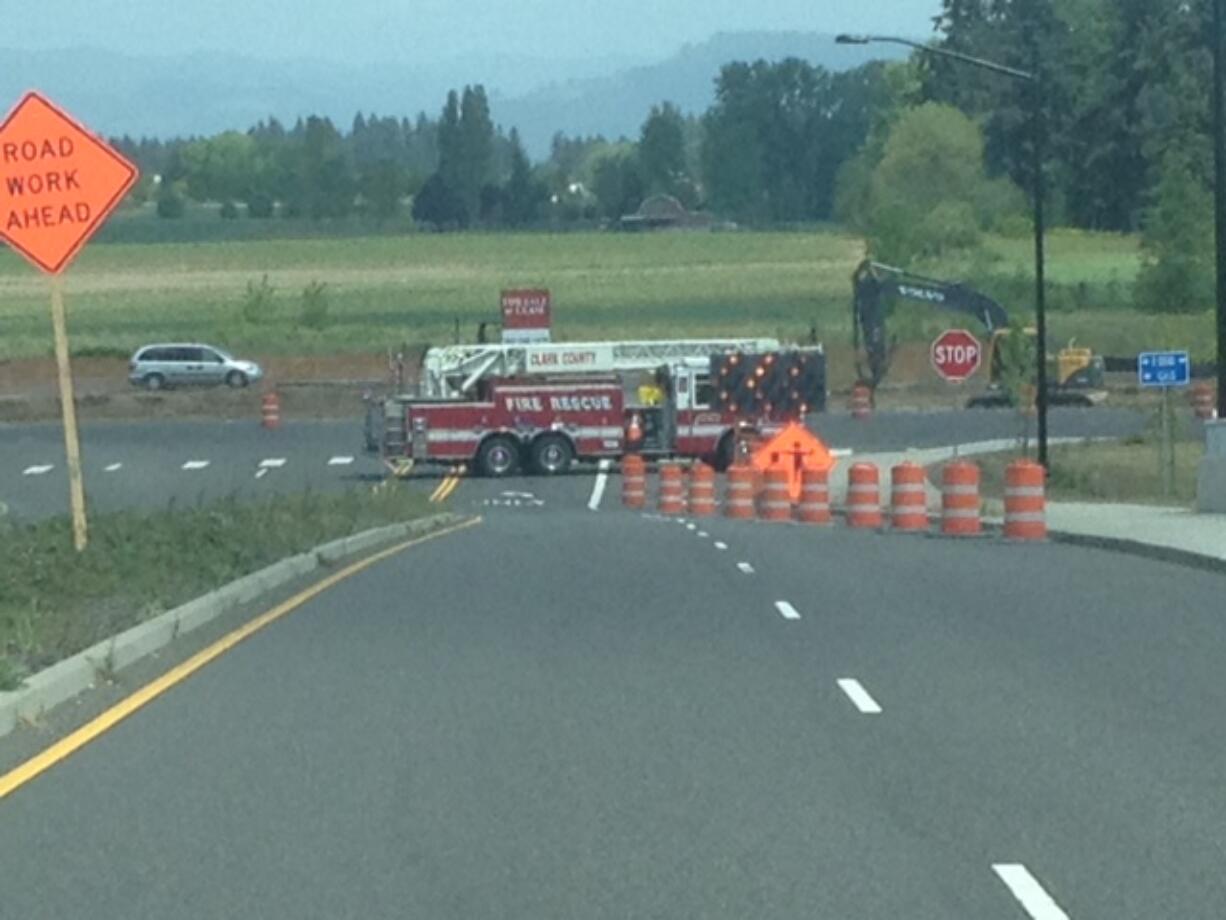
pixel 908 497
pixel 814 507
pixel 738 499
pixel 634 481
pixel 1025 501
pixel 270 410
pixel 1203 399
pixel 861 402
pixel 863 496
pixel 960 499
pixel 702 490
pixel 775 503
pixel 672 489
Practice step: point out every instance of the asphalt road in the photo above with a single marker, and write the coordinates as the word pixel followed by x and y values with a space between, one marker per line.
pixel 574 713
pixel 147 465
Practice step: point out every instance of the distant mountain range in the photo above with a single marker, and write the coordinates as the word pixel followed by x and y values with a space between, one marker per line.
pixel 207 92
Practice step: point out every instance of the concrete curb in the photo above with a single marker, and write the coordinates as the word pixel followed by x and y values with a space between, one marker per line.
pixel 1184 557
pixel 65 679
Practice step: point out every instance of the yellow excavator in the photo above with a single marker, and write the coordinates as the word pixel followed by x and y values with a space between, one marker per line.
pixel 1076 379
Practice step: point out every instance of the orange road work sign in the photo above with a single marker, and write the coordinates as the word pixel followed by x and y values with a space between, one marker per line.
pixel 58 183
pixel 794 450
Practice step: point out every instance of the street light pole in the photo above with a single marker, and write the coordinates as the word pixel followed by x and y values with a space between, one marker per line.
pixel 1040 288
pixel 1038 141
pixel 1219 194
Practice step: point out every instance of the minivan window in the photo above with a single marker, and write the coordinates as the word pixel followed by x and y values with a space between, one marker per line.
pixel 154 354
pixel 212 356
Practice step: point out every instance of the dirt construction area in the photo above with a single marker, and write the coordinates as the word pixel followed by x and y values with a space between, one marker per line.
pixel 314 387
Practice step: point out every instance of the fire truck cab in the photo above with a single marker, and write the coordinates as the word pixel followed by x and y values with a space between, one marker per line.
pixel 500 409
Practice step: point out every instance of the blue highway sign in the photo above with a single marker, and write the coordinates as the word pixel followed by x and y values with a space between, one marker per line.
pixel 1163 368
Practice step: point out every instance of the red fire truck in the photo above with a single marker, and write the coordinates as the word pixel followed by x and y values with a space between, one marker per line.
pixel 502 408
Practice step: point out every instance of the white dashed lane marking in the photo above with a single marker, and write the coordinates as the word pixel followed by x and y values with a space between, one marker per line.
pixel 195 464
pixel 786 610
pixel 702 535
pixel 602 479
pixel 745 567
pixel 39 470
pixel 114 468
pixel 1029 893
pixel 859 697
pixel 340 461
pixel 272 463
pixel 720 544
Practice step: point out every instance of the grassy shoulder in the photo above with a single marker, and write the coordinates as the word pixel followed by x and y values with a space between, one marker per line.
pixel 55 602
pixel 1126 472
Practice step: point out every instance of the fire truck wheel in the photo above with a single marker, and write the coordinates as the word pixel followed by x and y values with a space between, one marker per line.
pixel 552 454
pixel 499 456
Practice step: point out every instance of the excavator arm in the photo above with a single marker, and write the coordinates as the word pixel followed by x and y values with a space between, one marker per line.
pixel 875 285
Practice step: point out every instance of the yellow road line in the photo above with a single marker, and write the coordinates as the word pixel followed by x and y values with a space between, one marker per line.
pixel 451 487
pixel 450 483
pixel 68 745
pixel 437 494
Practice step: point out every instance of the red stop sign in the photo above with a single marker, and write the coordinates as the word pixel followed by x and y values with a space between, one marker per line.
pixel 956 354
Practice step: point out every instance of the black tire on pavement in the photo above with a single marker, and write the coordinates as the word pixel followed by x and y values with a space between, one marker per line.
pixel 154 382
pixel 236 379
pixel 498 457
pixel 552 454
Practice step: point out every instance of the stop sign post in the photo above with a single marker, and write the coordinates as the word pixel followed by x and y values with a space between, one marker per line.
pixel 956 355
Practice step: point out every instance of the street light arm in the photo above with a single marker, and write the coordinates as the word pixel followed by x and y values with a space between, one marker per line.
pixel 939 52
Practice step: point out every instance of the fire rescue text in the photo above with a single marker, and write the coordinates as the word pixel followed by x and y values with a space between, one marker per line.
pixel 559 403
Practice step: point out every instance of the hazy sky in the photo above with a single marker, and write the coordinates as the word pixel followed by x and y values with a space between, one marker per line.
pixel 428 30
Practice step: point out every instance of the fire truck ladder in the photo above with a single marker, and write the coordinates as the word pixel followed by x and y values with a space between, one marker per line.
pixel 452 371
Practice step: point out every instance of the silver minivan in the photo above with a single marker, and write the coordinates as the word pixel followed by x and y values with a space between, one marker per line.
pixel 181 365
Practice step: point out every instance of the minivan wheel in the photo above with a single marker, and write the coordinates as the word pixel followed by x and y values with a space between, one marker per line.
pixel 155 382
pixel 236 379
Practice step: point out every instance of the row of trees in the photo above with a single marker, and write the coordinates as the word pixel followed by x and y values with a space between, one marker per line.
pixel 1126 93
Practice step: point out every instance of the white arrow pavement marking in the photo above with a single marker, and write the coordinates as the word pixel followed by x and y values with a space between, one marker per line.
pixel 38 470
pixel 114 467
pixel 720 544
pixel 260 474
pixel 787 610
pixel 1029 892
pixel 340 461
pixel 195 464
pixel 859 696
pixel 272 463
pixel 745 567
pixel 602 479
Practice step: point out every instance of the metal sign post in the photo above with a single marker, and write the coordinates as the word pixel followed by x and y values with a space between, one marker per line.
pixel 1165 370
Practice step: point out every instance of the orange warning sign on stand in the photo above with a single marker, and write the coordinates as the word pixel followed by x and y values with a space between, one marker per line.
pixel 58 183
pixel 794 450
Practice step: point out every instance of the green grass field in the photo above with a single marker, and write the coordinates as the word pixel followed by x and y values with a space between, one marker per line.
pixel 386 290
